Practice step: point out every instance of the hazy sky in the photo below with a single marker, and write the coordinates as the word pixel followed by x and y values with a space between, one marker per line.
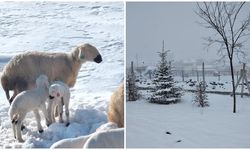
pixel 175 22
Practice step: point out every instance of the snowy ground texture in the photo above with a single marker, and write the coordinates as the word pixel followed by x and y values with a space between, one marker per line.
pixel 59 26
pixel 184 125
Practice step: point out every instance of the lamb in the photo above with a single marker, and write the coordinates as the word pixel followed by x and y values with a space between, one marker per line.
pixel 30 100
pixel 116 107
pixel 21 71
pixel 59 95
pixel 109 135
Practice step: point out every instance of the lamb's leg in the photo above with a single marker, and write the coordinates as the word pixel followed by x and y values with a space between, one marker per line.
pixel 53 109
pixel 18 127
pixel 60 107
pixel 67 113
pixel 10 101
pixel 50 110
pixel 38 120
pixel 14 129
pixel 45 113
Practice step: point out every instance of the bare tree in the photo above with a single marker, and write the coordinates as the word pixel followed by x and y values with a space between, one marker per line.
pixel 231 30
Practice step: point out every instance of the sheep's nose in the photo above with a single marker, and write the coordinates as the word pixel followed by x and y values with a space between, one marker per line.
pixel 98 59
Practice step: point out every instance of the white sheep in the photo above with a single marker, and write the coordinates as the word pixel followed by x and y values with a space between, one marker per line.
pixel 106 136
pixel 59 95
pixel 30 100
pixel 22 70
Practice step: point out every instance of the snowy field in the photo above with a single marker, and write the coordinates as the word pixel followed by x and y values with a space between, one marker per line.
pixel 60 26
pixel 183 125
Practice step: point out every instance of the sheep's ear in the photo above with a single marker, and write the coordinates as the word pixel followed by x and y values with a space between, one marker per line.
pixel 82 56
pixel 81 53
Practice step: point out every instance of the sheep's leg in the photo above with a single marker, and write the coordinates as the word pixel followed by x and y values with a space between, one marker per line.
pixel 38 120
pixel 13 96
pixel 18 127
pixel 67 113
pixel 60 107
pixel 45 113
pixel 49 110
pixel 7 93
pixel 10 101
pixel 14 129
pixel 53 109
pixel 18 132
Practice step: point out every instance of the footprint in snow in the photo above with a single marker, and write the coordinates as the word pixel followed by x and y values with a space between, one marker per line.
pixel 178 141
pixel 168 133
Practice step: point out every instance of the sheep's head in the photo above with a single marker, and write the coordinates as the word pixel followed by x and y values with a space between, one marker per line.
pixel 54 91
pixel 42 81
pixel 87 52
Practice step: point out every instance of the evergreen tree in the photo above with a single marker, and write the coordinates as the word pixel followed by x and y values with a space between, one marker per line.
pixel 165 91
pixel 201 96
pixel 132 92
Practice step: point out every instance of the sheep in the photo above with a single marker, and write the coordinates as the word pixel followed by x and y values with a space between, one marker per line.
pixel 109 135
pixel 59 95
pixel 30 100
pixel 106 136
pixel 113 138
pixel 21 71
pixel 116 107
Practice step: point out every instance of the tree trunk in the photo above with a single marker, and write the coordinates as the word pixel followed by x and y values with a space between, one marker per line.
pixel 234 97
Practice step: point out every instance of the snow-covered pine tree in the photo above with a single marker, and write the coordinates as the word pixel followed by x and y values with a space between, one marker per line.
pixel 201 96
pixel 132 92
pixel 164 90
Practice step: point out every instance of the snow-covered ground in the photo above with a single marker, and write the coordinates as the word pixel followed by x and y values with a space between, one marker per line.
pixel 183 125
pixel 59 26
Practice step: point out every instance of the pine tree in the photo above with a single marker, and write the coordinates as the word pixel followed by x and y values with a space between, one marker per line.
pixel 165 91
pixel 201 96
pixel 131 86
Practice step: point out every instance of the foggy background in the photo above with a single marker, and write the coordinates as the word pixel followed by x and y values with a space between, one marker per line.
pixel 148 23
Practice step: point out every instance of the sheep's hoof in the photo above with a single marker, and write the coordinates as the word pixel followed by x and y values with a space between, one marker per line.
pixel 48 124
pixel 67 124
pixel 40 131
pixel 22 127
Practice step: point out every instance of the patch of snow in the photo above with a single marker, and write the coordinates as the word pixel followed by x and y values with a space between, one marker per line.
pixel 60 26
pixel 183 125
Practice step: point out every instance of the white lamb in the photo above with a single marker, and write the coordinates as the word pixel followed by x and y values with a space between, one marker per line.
pixel 30 100
pixel 59 95
pixel 106 136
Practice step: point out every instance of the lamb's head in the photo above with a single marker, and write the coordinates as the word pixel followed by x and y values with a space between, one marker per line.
pixel 42 81
pixel 87 52
pixel 54 91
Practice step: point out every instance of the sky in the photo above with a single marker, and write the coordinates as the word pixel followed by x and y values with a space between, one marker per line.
pixel 149 23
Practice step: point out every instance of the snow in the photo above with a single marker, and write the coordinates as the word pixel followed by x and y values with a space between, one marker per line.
pixel 106 136
pixel 60 26
pixel 224 84
pixel 184 125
